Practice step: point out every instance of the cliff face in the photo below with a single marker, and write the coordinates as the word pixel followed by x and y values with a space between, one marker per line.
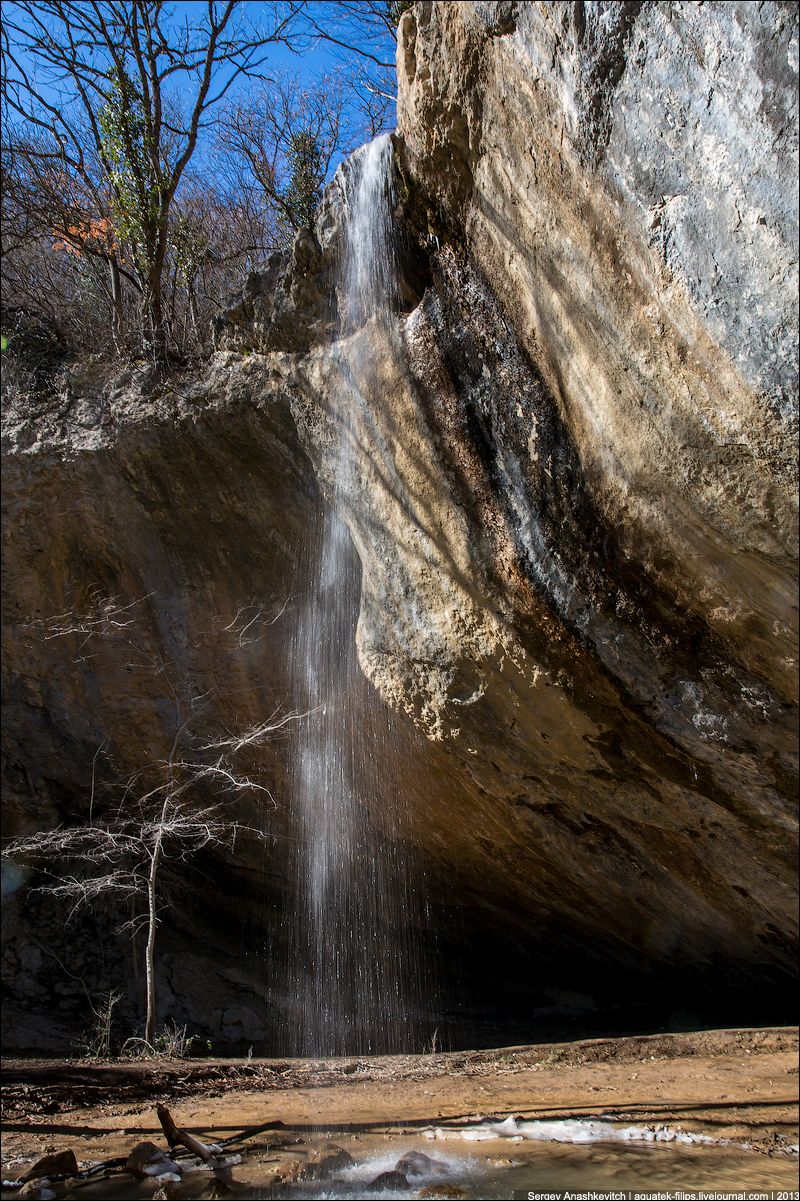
pixel 576 514
pixel 187 502
pixel 574 506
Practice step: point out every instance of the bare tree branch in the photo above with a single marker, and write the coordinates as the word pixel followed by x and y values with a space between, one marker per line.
pixel 129 851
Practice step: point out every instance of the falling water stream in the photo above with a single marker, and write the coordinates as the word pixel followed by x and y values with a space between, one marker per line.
pixel 353 964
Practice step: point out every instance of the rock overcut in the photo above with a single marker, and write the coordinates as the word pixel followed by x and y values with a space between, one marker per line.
pixel 574 506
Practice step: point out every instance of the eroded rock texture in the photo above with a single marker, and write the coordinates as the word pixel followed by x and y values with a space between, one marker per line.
pixel 574 507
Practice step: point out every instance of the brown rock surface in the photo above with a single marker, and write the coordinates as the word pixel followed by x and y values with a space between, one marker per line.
pixel 574 511
pixel 730 1084
pixel 575 501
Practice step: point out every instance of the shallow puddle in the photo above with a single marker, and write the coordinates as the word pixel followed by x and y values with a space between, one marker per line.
pixel 476 1162
pixel 497 1170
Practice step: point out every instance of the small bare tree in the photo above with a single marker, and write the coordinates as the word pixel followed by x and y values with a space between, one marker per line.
pixel 131 854
pixel 281 142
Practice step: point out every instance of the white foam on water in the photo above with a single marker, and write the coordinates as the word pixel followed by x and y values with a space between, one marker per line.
pixel 355 1180
pixel 565 1130
pixel 442 1167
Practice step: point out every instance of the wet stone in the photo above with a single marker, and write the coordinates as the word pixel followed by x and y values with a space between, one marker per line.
pixel 170 1191
pixel 417 1163
pixel 388 1180
pixel 290 1173
pixel 59 1163
pixel 322 1163
pixel 440 1191
pixel 146 1159
pixel 36 1190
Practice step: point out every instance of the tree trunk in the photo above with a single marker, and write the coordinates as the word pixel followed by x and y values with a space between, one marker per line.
pixel 155 308
pixel 152 880
pixel 155 317
pixel 116 301
pixel 193 312
pixel 150 948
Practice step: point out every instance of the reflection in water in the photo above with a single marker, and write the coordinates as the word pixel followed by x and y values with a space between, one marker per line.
pixel 500 1171
pixel 497 1169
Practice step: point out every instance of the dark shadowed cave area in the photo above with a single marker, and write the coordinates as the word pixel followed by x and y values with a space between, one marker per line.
pixel 505 960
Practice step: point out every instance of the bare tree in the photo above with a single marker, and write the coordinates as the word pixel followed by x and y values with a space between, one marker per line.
pixel 363 35
pixel 45 206
pixel 113 96
pixel 121 859
pixel 69 273
pixel 281 142
pixel 130 849
pixel 218 235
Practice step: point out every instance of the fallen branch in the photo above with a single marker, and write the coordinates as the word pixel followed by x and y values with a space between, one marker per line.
pixel 182 1138
pixel 177 1137
pixel 251 1131
pixel 83 1176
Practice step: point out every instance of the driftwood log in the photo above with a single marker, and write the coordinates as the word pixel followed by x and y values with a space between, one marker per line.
pixel 182 1138
pixel 175 1138
pixel 208 1154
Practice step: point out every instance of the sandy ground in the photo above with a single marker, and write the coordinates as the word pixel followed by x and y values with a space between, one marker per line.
pixel 740 1085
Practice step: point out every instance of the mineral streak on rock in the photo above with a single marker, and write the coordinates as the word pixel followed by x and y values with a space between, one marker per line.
pixel 574 504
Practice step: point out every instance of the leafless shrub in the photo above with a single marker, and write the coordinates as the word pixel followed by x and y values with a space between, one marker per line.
pixel 171 1042
pixel 99 1040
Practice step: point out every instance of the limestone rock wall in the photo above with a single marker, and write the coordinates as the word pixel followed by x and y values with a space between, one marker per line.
pixel 625 184
pixel 187 501
pixel 576 510
pixel 574 507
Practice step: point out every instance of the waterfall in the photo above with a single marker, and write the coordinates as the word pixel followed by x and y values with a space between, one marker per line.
pixel 369 274
pixel 353 965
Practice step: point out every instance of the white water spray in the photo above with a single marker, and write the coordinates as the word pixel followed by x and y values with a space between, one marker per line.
pixel 352 971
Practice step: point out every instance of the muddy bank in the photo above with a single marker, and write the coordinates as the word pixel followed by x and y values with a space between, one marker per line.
pixel 738 1085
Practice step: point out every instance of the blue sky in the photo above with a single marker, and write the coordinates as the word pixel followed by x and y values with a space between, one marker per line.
pixel 313 59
